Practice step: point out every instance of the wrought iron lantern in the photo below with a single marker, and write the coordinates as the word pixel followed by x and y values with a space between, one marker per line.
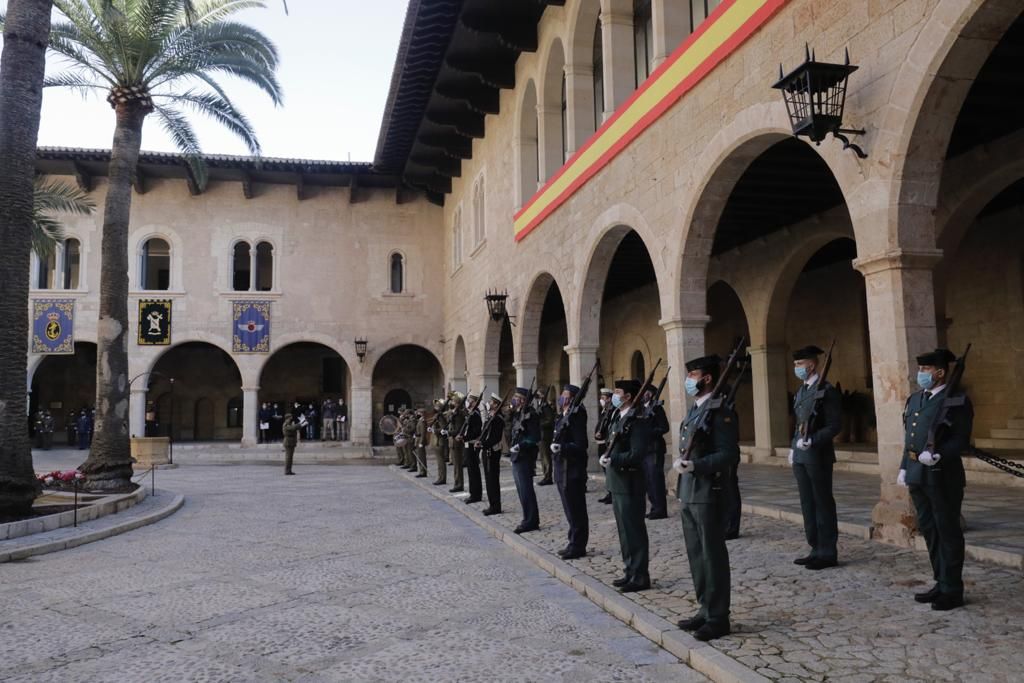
pixel 815 96
pixel 361 349
pixel 496 305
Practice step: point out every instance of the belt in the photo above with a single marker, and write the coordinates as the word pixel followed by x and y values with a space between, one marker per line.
pixel 912 455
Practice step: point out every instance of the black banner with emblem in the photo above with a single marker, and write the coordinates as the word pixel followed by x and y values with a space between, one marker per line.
pixel 154 322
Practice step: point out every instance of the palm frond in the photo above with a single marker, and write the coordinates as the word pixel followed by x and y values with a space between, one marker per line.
pixel 54 197
pixel 177 126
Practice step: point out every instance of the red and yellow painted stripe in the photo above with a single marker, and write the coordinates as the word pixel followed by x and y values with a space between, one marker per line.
pixel 729 26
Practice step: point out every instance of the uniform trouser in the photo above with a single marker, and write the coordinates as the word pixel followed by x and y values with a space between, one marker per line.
pixel 421 459
pixel 289 456
pixel 572 489
pixel 545 459
pixel 442 463
pixel 265 435
pixel 407 458
pixel 327 429
pixel 938 519
pixel 654 477
pixel 444 446
pixel 704 533
pixel 457 451
pixel 629 518
pixel 523 469
pixel 492 471
pixel 340 430
pixel 734 504
pixel 472 458
pixel 821 527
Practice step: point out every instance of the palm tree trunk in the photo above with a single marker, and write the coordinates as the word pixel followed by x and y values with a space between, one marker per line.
pixel 22 65
pixel 109 465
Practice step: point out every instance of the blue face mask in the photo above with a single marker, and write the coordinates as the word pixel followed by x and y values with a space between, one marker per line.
pixel 925 380
pixel 800 372
pixel 616 400
pixel 691 387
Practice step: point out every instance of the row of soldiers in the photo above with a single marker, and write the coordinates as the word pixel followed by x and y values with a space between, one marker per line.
pixel 630 436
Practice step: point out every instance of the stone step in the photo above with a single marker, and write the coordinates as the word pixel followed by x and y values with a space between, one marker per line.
pixel 1008 433
pixel 1016 423
pixel 1000 444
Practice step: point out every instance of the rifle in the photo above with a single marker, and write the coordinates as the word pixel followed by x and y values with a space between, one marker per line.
pixel 656 396
pixel 716 401
pixel 490 418
pixel 574 405
pixel 631 414
pixel 819 395
pixel 524 409
pixel 730 400
pixel 465 425
pixel 952 386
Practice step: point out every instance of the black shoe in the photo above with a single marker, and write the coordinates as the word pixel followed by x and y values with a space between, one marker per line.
pixel 732 536
pixel 804 560
pixel 574 554
pixel 455 489
pixel 545 482
pixel 289 473
pixel 929 596
pixel 524 529
pixel 947 601
pixel 421 476
pixel 818 563
pixel 607 499
pixel 635 587
pixel 619 583
pixel 691 624
pixel 658 516
pixel 563 552
pixel 711 631
pixel 472 500
pixel 439 483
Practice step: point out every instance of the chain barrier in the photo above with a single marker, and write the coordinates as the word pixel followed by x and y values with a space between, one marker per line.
pixel 1008 466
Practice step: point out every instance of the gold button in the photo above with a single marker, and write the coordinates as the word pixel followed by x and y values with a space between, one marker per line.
pixel 912 433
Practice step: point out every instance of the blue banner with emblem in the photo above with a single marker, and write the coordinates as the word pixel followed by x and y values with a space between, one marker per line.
pixel 53 326
pixel 250 322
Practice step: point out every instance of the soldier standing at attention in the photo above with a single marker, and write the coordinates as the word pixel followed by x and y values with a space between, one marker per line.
pixel 812 455
pixel 936 475
pixel 604 422
pixel 409 435
pixel 523 452
pixel 624 471
pixel 440 431
pixel 569 451
pixel 327 419
pixel 704 494
pixel 490 449
pixel 290 430
pixel 547 429
pixel 455 425
pixel 422 441
pixel 471 453
pixel 341 420
pixel 654 464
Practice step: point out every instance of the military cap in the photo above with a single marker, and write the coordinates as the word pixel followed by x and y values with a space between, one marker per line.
pixel 629 386
pixel 707 363
pixel 523 391
pixel 473 397
pixel 458 395
pixel 571 388
pixel 939 358
pixel 807 353
pixel 496 397
pixel 607 391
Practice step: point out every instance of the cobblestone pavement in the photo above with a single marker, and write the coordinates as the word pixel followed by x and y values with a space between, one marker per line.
pixel 338 574
pixel 857 622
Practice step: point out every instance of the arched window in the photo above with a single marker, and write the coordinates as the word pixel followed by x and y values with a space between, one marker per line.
pixel 643 35
pixel 72 263
pixel 565 118
pixel 598 76
pixel 264 267
pixel 637 366
pixel 155 273
pixel 699 11
pixel 479 224
pixel 397 273
pixel 45 270
pixel 529 147
pixel 457 239
pixel 241 267
pixel 235 412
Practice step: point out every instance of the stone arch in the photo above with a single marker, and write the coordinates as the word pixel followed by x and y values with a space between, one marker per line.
pixel 528 323
pixel 460 367
pixel 281 341
pixel 529 144
pixel 554 122
pixel 176 249
pixel 581 31
pixel 409 368
pixel 206 379
pixel 498 367
pixel 193 338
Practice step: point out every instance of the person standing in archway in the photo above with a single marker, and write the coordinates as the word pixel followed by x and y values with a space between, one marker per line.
pixel 421 443
pixel 327 420
pixel 290 429
pixel 604 423
pixel 812 455
pixel 341 420
pixel 547 429
pixel 455 425
pixel 471 455
pixel 523 452
pixel 490 445
pixel 654 464
pixel 569 451
pixel 440 431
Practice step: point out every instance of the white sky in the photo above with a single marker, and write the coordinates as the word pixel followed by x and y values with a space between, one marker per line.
pixel 336 62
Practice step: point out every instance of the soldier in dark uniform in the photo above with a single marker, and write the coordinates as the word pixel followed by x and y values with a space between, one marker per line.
pixel 547 428
pixel 264 418
pixel 290 433
pixel 936 477
pixel 443 440
pixel 457 452
pixel 471 453
pixel 82 428
pixel 654 464
pixel 523 452
pixel 604 422
pixel 703 490
pixel 624 470
pixel 69 427
pixel 490 450
pixel 421 443
pixel 569 451
pixel 812 455
pixel 47 427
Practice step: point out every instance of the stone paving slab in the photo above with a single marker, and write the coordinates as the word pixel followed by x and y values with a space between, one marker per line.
pixel 857 622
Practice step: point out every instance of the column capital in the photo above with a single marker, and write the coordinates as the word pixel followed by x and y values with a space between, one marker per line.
pixel 247 389
pixel 578 71
pixel 766 349
pixel 526 365
pixel 573 349
pixel 898 259
pixel 693 322
pixel 616 18
pixel 545 109
pixel 140 390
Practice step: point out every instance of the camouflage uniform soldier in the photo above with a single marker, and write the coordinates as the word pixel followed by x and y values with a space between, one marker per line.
pixel 422 441
pixel 291 440
pixel 455 425
pixel 440 431
pixel 547 431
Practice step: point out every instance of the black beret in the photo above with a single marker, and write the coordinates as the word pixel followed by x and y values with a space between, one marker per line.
pixel 628 386
pixel 571 388
pixel 807 353
pixel 712 362
pixel 938 358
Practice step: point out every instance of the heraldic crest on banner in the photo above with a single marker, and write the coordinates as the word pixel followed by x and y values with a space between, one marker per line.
pixel 53 326
pixel 250 321
pixel 154 322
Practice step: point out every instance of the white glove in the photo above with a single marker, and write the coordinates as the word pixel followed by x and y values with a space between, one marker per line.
pixel 556 448
pixel 430 430
pixel 803 444
pixel 444 432
pixel 929 459
pixel 901 478
pixel 682 466
pixel 514 449
pixel 605 460
pixel 342 419
pixel 790 456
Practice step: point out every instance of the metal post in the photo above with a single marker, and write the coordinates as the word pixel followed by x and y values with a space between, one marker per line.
pixel 170 431
pixel 76 502
pixel 152 479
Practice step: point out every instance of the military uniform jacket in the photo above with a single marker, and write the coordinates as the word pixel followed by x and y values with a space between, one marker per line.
pixel 827 423
pixel 525 431
pixel 291 434
pixel 659 428
pixel 491 439
pixel 573 436
pixel 473 426
pixel 422 435
pixel 456 422
pixel 625 473
pixel 547 421
pixel 604 423
pixel 441 423
pixel 714 455
pixel 953 439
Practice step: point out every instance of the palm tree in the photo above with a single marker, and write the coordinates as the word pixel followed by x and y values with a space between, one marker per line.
pixel 162 58
pixel 26 28
pixel 54 197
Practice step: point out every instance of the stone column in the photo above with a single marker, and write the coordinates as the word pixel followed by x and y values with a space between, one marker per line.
pixel 579 86
pixel 581 361
pixel 901 322
pixel 617 53
pixel 549 120
pixel 684 339
pixel 491 380
pixel 769 368
pixel 137 410
pixel 360 415
pixel 250 415
pixel 671 21
pixel 526 373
